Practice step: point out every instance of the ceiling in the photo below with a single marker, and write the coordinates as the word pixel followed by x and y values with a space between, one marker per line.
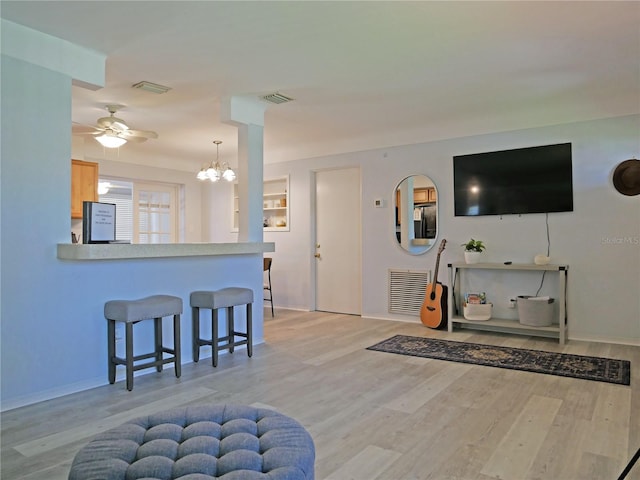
pixel 362 74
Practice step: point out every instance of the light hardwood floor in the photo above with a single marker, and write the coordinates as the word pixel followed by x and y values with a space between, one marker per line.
pixel 372 415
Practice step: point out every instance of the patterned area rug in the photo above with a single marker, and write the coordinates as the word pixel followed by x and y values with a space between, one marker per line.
pixel 565 365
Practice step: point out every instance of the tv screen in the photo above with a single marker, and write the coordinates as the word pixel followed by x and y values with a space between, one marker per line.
pixel 522 180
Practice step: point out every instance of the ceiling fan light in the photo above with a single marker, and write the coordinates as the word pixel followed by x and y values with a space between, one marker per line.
pixel 110 141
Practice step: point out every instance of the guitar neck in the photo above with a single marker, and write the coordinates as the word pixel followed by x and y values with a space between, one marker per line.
pixel 435 273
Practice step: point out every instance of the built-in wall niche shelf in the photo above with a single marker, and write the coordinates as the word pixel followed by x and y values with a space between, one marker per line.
pixel 275 205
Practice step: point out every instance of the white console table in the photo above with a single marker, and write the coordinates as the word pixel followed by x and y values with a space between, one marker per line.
pixel 558 331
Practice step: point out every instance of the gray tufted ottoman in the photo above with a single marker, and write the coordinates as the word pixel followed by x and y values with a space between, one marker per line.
pixel 225 442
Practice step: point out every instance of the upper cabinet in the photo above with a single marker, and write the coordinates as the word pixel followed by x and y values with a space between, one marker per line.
pixel 275 205
pixel 424 195
pixel 84 185
pixel 420 195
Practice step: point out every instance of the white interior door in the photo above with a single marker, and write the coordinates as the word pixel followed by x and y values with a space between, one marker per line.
pixel 338 241
pixel 155 213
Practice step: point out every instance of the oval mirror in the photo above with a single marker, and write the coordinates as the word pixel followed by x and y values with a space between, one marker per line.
pixel 416 201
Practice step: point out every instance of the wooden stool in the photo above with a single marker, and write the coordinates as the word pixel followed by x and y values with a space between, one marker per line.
pixel 131 312
pixel 213 300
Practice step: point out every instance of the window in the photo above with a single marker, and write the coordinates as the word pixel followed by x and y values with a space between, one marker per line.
pixel 145 212
pixel 119 192
pixel 156 211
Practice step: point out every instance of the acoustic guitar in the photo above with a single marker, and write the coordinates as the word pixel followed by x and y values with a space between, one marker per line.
pixel 434 312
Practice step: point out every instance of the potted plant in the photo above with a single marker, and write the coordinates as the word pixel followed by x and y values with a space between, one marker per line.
pixel 473 250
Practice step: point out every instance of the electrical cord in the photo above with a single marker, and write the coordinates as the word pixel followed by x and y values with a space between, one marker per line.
pixel 546 220
pixel 453 293
pixel 546 215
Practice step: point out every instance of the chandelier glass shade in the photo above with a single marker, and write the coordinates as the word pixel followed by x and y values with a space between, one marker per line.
pixel 215 171
pixel 110 140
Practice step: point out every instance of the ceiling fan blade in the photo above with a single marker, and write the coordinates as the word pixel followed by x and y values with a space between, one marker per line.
pixel 79 129
pixel 132 139
pixel 128 134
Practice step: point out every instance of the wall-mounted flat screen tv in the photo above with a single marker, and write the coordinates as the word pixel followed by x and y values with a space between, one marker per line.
pixel 523 180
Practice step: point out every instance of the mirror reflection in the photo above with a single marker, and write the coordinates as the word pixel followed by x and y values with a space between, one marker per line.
pixel 416 202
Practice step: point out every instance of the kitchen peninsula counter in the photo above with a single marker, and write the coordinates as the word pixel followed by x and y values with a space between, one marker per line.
pixel 120 251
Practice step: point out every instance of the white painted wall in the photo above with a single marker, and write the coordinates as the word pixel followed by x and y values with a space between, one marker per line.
pixel 53 332
pixel 600 239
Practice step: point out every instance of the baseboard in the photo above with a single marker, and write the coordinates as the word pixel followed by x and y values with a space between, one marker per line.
pixel 635 342
pixel 408 319
pixel 295 309
pixel 53 393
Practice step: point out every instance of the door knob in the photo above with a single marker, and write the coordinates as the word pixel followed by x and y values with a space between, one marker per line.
pixel 317 255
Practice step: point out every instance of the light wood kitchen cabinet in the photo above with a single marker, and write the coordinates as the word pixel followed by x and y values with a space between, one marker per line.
pixel 424 195
pixel 420 195
pixel 84 185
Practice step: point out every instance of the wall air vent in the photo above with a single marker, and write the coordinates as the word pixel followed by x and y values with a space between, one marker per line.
pixel 276 98
pixel 151 87
pixel 406 290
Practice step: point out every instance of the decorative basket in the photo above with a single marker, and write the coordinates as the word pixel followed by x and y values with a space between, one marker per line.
pixel 534 311
pixel 478 311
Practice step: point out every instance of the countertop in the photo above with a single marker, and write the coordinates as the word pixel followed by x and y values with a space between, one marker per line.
pixel 117 251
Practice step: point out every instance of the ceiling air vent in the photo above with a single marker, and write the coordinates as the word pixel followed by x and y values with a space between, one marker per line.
pixel 151 87
pixel 276 98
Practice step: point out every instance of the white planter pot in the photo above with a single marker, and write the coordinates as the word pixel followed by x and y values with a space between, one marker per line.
pixel 472 257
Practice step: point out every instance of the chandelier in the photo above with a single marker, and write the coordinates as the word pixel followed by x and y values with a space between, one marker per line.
pixel 215 171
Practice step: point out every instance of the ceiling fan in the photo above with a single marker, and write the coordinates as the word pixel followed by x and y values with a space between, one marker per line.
pixel 113 132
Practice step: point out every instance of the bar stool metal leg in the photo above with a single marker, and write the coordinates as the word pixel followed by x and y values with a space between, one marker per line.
pixel 111 349
pixel 195 316
pixel 214 337
pixel 157 327
pixel 129 354
pixel 231 334
pixel 249 330
pixel 176 345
